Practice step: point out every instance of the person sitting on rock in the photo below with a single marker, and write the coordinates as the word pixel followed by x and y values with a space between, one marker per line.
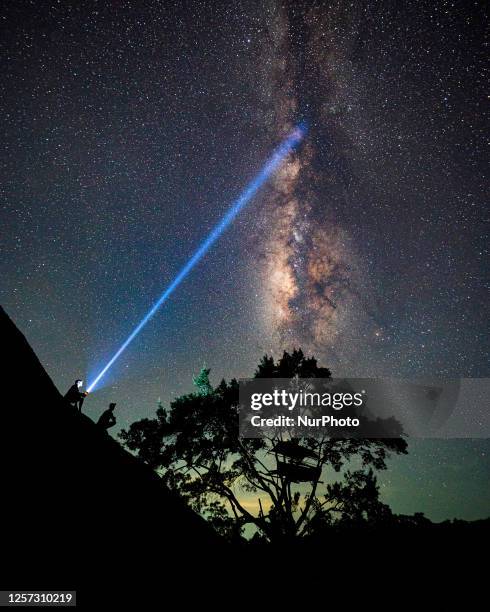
pixel 75 396
pixel 107 418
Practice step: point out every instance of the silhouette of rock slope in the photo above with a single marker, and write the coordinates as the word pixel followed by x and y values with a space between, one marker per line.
pixel 76 506
pixel 79 512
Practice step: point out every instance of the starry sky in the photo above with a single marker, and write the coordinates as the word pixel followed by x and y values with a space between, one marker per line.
pixel 130 127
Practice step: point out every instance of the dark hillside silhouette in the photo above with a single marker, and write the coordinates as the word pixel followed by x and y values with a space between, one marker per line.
pixel 80 512
pixel 77 507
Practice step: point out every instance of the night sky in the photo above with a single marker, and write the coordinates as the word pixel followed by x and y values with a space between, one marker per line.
pixel 129 128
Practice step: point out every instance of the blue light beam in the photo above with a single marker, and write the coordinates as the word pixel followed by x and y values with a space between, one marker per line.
pixel 249 192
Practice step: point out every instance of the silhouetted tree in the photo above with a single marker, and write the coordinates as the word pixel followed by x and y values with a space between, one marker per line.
pixel 201 381
pixel 236 481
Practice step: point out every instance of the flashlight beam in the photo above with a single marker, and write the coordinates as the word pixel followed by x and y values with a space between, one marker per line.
pixel 274 161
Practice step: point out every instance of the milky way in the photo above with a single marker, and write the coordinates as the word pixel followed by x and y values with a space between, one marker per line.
pixel 310 272
pixel 128 128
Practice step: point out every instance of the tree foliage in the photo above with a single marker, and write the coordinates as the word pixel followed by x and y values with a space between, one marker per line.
pixel 236 482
